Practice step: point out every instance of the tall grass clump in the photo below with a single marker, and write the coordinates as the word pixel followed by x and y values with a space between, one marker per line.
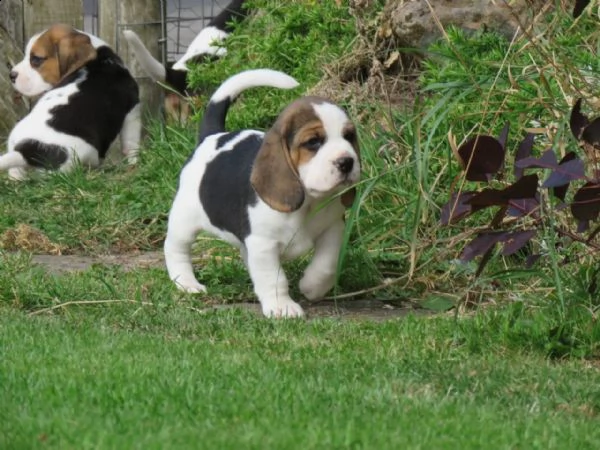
pixel 476 83
pixel 468 83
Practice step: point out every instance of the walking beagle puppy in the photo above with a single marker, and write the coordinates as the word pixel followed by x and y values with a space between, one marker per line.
pixel 275 195
pixel 87 98
pixel 205 47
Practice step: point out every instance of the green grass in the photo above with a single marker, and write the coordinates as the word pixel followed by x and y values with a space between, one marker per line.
pixel 152 377
pixel 115 358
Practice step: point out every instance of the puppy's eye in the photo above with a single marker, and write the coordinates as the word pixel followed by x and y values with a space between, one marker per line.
pixel 350 135
pixel 36 61
pixel 313 143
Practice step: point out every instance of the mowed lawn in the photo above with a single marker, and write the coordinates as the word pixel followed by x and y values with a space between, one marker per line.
pixel 146 367
pixel 132 376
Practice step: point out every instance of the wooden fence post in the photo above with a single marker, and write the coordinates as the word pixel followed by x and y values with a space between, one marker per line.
pixel 40 14
pixel 12 106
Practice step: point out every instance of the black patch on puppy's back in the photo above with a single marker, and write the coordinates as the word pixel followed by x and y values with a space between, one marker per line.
pixel 227 137
pixel 225 189
pixel 106 95
pixel 223 20
pixel 44 156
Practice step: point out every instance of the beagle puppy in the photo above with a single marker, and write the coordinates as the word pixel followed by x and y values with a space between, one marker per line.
pixel 275 195
pixel 87 98
pixel 205 47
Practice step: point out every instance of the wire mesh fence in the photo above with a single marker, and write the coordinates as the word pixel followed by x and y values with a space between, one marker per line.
pixel 183 20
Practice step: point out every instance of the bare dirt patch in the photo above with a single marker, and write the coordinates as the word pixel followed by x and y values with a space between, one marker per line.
pixel 371 309
pixel 58 264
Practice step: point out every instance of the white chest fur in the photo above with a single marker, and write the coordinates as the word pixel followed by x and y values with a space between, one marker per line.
pixel 294 232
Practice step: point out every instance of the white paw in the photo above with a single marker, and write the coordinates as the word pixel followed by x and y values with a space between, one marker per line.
pixel 17 174
pixel 315 289
pixel 132 158
pixel 282 309
pixel 190 286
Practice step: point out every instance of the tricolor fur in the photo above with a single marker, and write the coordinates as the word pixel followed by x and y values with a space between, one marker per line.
pixel 275 195
pixel 205 46
pixel 87 98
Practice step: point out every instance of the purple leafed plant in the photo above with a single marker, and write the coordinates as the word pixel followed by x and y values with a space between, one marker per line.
pixel 521 206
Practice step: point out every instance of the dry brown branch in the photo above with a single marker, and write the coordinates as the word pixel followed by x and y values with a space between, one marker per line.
pixel 85 302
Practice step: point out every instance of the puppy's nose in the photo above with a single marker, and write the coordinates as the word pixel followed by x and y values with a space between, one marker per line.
pixel 13 76
pixel 345 164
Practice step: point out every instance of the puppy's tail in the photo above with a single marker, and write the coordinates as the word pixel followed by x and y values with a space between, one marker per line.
pixel 151 66
pixel 216 110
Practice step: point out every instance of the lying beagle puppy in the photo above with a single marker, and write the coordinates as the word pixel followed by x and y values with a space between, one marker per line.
pixel 275 195
pixel 88 98
pixel 204 47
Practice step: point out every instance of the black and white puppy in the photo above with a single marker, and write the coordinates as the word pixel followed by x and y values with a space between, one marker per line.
pixel 275 195
pixel 205 46
pixel 87 98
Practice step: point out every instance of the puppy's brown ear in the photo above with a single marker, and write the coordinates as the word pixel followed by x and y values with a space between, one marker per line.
pixel 348 196
pixel 273 176
pixel 74 50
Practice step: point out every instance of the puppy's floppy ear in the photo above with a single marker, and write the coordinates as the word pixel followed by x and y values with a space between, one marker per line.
pixel 348 196
pixel 274 177
pixel 74 50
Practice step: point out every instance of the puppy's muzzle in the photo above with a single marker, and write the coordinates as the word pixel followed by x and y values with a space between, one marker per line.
pixel 345 164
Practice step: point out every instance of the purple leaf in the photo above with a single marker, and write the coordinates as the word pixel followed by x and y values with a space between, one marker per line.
pixel 499 217
pixel 523 207
pixel 503 136
pixel 565 173
pixel 591 133
pixel 524 151
pixel 583 226
pixel 481 156
pixel 531 260
pixel 546 161
pixel 456 208
pixel 586 202
pixel 579 7
pixel 516 240
pixel 481 244
pixel 578 121
pixel 525 187
pixel 561 191
pixel 484 243
pixel 484 260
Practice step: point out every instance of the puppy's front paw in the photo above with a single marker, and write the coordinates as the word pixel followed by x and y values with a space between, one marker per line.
pixel 190 286
pixel 282 309
pixel 315 289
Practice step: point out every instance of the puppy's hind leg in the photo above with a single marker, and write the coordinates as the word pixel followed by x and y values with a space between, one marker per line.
pixel 131 134
pixel 16 165
pixel 17 174
pixel 181 234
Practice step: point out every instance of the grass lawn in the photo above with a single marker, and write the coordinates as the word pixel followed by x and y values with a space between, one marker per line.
pixel 113 357
pixel 145 377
